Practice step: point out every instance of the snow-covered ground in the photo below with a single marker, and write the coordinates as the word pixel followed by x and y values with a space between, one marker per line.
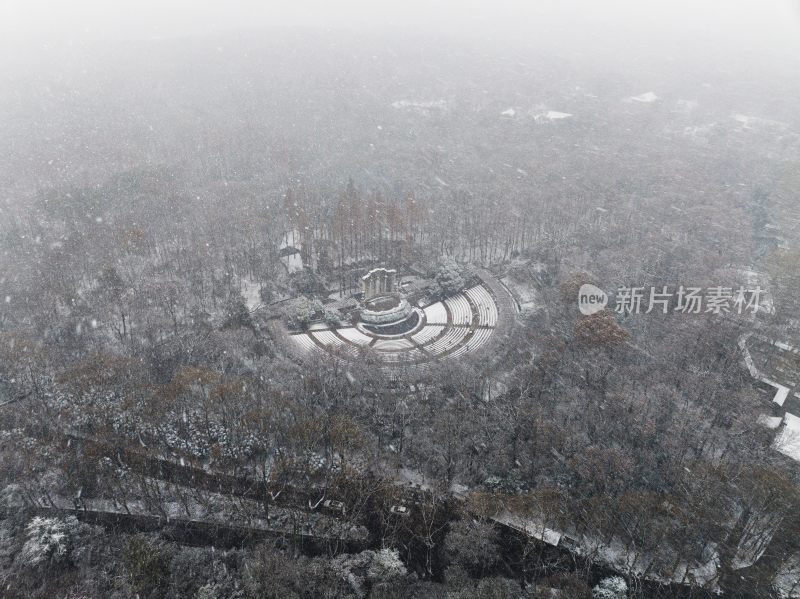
pixel 644 98
pixel 530 526
pixel 415 478
pixel 251 294
pixel 770 422
pixel 629 560
pixel 756 537
pixel 788 440
pixel 180 503
pixel 781 391
pixel 550 115
pixel 424 107
pixel 753 122
pixel 292 261
pixel 619 556
pixel 523 292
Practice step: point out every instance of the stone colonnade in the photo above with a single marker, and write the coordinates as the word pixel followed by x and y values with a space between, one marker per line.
pixel 378 281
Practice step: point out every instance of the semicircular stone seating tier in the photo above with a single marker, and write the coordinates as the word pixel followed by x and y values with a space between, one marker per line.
pixel 460 324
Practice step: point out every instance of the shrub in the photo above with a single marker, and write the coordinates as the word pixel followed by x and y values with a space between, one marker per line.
pixel 208 591
pixel 266 294
pixel 449 277
pixel 237 314
pixel 303 311
pixel 386 565
pixel 306 282
pixel 332 317
pixel 48 540
pixel 613 587
pixel 146 565
pixel 190 569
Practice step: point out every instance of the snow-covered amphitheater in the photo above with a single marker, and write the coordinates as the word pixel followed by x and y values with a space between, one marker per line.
pixel 469 321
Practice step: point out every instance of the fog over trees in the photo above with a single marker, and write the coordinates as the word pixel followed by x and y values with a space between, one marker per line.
pixel 293 300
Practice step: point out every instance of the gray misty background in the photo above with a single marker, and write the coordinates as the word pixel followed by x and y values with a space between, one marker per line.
pixel 62 61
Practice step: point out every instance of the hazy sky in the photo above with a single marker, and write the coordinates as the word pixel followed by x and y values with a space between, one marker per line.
pixel 732 31
pixel 766 21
